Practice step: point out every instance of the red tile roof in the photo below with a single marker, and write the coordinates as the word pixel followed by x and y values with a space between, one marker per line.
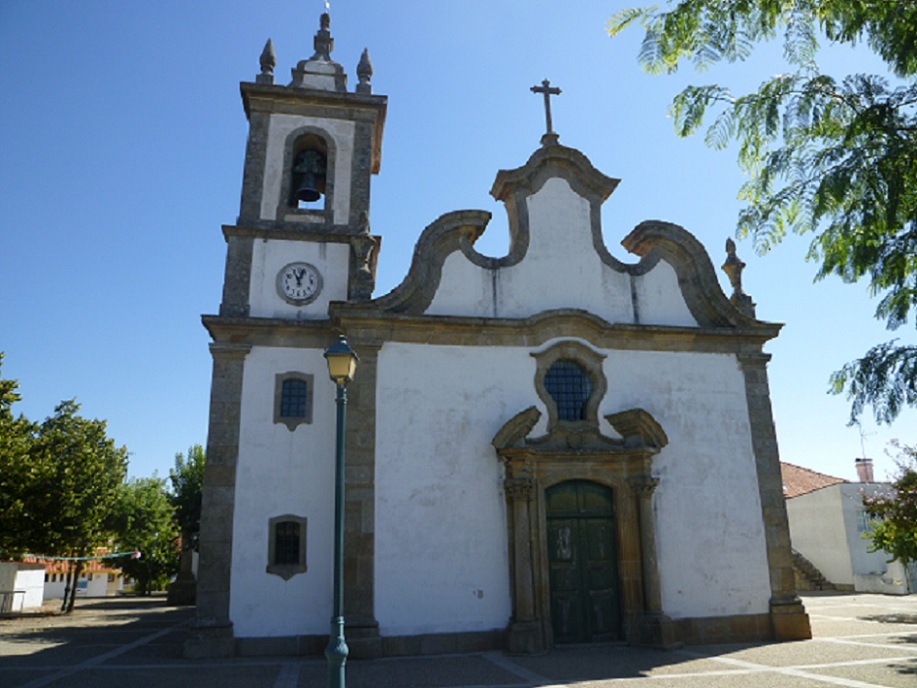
pixel 798 480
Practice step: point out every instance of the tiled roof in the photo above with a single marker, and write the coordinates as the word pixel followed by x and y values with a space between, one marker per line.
pixel 798 480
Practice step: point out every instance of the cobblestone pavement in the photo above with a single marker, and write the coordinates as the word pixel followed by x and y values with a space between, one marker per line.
pixel 861 641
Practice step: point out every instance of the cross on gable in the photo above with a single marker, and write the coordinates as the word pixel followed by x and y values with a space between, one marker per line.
pixel 548 91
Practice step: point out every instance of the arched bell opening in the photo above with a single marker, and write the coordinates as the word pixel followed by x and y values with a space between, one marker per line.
pixel 309 172
pixel 308 180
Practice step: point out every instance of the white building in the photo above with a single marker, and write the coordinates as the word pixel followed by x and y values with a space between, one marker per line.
pixel 552 446
pixel 21 586
pixel 827 523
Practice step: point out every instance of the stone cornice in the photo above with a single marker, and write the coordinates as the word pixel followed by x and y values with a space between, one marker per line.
pixel 368 325
pixel 342 234
pixel 278 99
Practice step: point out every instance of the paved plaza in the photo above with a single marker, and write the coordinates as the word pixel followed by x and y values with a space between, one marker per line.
pixel 861 641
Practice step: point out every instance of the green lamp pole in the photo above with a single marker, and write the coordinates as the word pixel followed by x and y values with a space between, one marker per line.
pixel 342 362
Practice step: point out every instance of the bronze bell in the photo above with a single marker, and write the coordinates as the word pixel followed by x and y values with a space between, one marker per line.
pixel 310 170
pixel 307 190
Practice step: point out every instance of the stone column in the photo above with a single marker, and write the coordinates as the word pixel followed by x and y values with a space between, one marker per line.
pixel 788 616
pixel 525 635
pixel 211 634
pixel 362 629
pixel 655 628
pixel 643 487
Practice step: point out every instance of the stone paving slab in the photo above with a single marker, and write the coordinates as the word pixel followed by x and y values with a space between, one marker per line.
pixel 862 641
pixel 894 675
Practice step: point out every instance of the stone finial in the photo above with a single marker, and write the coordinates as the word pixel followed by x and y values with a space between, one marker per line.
pixel 733 268
pixel 364 73
pixel 320 72
pixel 268 62
pixel 323 42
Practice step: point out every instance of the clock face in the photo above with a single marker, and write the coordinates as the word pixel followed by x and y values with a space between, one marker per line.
pixel 299 283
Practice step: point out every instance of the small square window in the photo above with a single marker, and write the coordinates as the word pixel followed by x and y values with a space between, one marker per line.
pixel 293 399
pixel 286 546
pixel 293 395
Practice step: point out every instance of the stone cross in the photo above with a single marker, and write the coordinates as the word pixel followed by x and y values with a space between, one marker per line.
pixel 548 91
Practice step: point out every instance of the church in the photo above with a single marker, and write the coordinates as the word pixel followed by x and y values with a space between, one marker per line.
pixel 552 446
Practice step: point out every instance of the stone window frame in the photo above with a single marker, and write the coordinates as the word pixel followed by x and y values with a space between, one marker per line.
pixel 286 571
pixel 293 421
pixel 591 363
pixel 295 143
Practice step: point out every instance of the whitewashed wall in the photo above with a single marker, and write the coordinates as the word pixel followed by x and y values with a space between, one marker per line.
pixel 282 472
pixel 441 550
pixel 270 257
pixel 441 555
pixel 23 585
pixel 817 531
pixel 709 531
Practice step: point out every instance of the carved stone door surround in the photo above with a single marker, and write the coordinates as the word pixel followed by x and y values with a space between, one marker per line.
pixel 578 451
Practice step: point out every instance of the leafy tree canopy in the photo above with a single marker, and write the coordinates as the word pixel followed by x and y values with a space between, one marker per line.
pixel 187 478
pixel 77 471
pixel 16 435
pixel 895 529
pixel 144 521
pixel 835 157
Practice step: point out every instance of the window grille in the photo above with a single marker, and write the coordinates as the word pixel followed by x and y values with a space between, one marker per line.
pixel 293 398
pixel 570 388
pixel 286 543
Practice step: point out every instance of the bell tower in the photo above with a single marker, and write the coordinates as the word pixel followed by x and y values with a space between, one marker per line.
pixel 301 242
pixel 312 149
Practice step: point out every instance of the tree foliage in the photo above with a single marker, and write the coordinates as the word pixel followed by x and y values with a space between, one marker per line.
pixel 59 482
pixel 895 511
pixel 16 434
pixel 144 521
pixel 187 480
pixel 834 157
pixel 75 476
pixel 78 471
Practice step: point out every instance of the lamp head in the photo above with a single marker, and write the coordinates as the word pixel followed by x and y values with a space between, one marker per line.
pixel 342 361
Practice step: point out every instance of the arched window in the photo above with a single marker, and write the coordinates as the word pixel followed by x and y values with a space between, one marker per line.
pixel 570 388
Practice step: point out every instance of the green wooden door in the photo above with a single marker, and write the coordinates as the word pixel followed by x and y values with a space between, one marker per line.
pixel 583 563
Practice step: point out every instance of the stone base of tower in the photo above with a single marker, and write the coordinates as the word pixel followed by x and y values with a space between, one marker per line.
pixel 209 642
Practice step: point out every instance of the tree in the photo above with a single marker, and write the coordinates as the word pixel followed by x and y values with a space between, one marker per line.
pixel 895 511
pixel 187 490
pixel 75 474
pixel 187 478
pixel 836 158
pixel 16 436
pixel 144 521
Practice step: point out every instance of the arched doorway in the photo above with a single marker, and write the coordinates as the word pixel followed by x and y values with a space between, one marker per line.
pixel 582 562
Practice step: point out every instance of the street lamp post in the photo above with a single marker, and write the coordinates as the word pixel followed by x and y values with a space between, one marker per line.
pixel 342 362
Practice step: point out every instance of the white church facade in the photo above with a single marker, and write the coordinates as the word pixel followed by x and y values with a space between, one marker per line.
pixel 552 446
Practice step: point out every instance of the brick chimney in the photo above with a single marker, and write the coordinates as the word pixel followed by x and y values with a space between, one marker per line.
pixel 864 470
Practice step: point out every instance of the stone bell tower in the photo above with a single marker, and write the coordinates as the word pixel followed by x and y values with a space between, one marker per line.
pixel 312 148
pixel 301 242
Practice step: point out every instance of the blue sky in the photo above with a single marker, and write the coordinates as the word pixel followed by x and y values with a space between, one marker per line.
pixel 123 138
